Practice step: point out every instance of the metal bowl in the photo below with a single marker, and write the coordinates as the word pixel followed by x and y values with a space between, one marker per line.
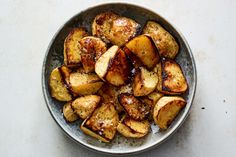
pixel 120 145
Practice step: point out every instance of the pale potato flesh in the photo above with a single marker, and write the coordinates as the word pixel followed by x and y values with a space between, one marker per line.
pixel 69 113
pixel 84 106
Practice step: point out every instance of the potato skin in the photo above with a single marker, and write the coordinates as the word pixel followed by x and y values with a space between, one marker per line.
pixel 69 113
pixel 84 106
pixel 72 52
pixel 91 49
pixel 165 42
pixel 145 49
pixel 103 122
pixel 58 87
pixel 134 107
pixel 171 78
pixel 166 109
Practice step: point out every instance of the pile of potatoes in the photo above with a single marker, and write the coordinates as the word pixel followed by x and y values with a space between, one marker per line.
pixel 119 79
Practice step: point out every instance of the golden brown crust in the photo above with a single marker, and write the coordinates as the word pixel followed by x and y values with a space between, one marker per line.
pixel 72 52
pixel 134 107
pixel 165 42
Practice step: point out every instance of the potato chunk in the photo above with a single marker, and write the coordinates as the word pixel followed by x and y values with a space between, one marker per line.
pixel 145 82
pixel 85 84
pixel 113 66
pixel 134 107
pixel 72 52
pixel 166 109
pixel 91 49
pixel 165 42
pixel 171 78
pixel 84 106
pixel 58 86
pixel 144 48
pixel 69 113
pixel 122 30
pixel 103 123
pixel 133 129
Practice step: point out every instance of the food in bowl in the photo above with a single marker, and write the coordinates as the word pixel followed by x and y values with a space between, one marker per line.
pixel 119 78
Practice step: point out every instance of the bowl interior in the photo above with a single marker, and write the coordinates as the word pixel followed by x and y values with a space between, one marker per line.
pixel 54 58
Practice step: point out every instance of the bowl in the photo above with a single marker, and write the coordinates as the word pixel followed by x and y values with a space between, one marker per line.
pixel 120 145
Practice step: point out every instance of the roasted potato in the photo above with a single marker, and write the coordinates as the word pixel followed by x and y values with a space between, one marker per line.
pixel 166 109
pixel 91 49
pixel 102 24
pixel 122 30
pixel 151 99
pixel 144 48
pixel 72 51
pixel 85 84
pixel 84 106
pixel 171 79
pixel 165 42
pixel 109 94
pixel 58 86
pixel 69 113
pixel 133 129
pixel 103 123
pixel 145 82
pixel 133 106
pixel 113 66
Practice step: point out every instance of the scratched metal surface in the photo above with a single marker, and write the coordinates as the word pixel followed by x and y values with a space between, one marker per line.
pixel 26 28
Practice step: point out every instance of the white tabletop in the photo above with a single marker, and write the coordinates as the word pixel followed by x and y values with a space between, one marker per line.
pixel 26 28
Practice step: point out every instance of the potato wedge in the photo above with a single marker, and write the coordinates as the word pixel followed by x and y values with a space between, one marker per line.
pixel 103 63
pixel 84 106
pixel 165 42
pixel 85 84
pixel 166 109
pixel 91 49
pixel 171 79
pixel 58 86
pixel 134 107
pixel 133 129
pixel 102 24
pixel 113 66
pixel 144 48
pixel 69 113
pixel 151 99
pixel 103 123
pixel 122 30
pixel 119 70
pixel 72 52
pixel 145 82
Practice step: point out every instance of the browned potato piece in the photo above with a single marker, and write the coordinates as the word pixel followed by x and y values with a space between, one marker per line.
pixel 102 24
pixel 113 66
pixel 166 109
pixel 58 86
pixel 122 30
pixel 134 107
pixel 69 113
pixel 109 94
pixel 133 129
pixel 72 52
pixel 119 70
pixel 171 79
pixel 103 123
pixel 144 48
pixel 103 63
pixel 145 82
pixel 91 49
pixel 85 84
pixel 84 106
pixel 151 99
pixel 165 42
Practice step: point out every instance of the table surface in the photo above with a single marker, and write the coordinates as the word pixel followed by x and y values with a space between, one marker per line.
pixel 26 28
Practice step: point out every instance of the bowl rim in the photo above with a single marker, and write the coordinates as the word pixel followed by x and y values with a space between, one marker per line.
pixel 136 150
